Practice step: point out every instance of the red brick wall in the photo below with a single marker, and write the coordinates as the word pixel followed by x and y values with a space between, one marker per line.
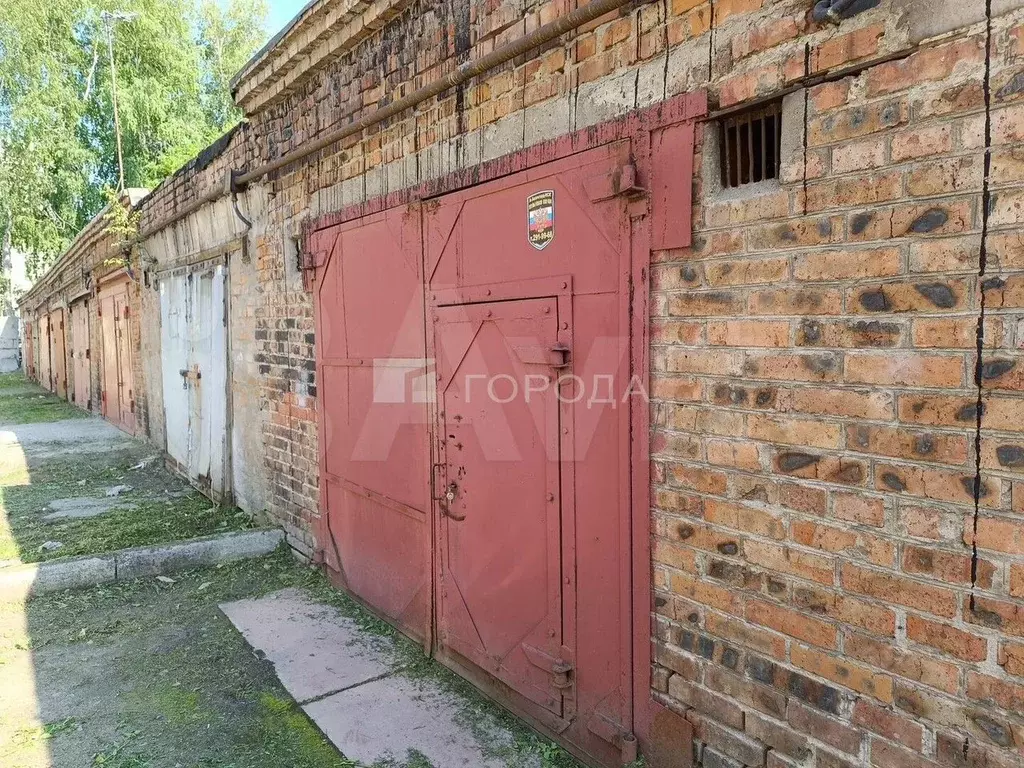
pixel 828 590
pixel 822 594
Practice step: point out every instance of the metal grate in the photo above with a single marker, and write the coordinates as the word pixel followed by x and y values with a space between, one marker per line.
pixel 750 143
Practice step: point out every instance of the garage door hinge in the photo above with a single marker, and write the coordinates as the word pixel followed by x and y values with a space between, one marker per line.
pixel 561 670
pixel 607 729
pixel 311 260
pixel 620 181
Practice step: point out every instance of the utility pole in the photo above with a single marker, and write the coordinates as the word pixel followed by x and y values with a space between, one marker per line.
pixel 109 20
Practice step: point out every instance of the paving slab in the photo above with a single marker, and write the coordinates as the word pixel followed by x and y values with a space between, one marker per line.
pixel 315 650
pixel 347 683
pixel 389 718
pixel 82 507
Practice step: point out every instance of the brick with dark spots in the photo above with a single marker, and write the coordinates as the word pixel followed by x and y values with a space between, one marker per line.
pixel 693 618
pixel 786 232
pixel 893 481
pixel 1014 86
pixel 685 531
pixel 1010 455
pixel 757 493
pixel 765 397
pixel 686 640
pixel 660 602
pixel 924 445
pixel 761 670
pixel 730 658
pixel 987 618
pixel 728 548
pixel 851 472
pixel 993 369
pixel 972 484
pixel 993 284
pixel 872 333
pixel 929 221
pixel 774 586
pixel 863 437
pixel 820 363
pixel 968 413
pixel 810 332
pixel 819 695
pixel 810 600
pixel 875 301
pixel 860 222
pixel 790 461
pixel 939 294
pixel 725 571
pixel 705 647
pixel 824 227
pixel 997 732
pixel 688 273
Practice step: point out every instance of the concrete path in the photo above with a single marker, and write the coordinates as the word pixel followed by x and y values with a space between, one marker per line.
pixel 349 683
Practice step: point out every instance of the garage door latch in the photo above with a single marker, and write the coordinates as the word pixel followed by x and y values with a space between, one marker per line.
pixel 560 669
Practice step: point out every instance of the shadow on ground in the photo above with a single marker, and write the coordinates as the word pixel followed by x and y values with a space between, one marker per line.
pixel 150 673
pixel 77 486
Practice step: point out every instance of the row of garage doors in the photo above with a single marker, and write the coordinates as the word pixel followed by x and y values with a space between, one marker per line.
pixel 89 340
pixel 59 352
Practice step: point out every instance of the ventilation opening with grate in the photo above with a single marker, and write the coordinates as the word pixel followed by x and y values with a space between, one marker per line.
pixel 750 143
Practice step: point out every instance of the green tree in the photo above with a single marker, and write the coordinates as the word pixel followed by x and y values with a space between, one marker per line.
pixel 174 59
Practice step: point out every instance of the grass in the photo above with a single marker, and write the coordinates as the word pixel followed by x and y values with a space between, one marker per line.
pixel 188 690
pixel 36 407
pixel 25 402
pixel 159 508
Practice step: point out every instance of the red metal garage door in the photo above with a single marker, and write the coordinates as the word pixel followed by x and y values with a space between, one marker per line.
pixel 375 451
pixel 28 363
pixel 482 363
pixel 58 353
pixel 80 354
pixel 117 398
pixel 45 375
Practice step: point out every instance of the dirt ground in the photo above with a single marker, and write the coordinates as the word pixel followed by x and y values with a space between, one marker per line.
pixel 71 484
pixel 150 673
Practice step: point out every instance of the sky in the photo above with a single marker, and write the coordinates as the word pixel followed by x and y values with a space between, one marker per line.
pixel 281 12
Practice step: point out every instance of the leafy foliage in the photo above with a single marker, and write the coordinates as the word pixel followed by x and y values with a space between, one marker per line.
pixel 174 60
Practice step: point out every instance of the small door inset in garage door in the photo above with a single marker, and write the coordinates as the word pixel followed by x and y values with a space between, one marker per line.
pixel 194 362
pixel 501 566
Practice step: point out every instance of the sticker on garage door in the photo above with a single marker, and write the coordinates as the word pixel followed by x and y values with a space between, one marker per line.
pixel 540 209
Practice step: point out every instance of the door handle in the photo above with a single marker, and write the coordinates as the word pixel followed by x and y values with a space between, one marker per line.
pixel 446 502
pixel 565 352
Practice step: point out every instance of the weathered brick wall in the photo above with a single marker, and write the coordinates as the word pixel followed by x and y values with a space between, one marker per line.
pixel 836 576
pixel 830 591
